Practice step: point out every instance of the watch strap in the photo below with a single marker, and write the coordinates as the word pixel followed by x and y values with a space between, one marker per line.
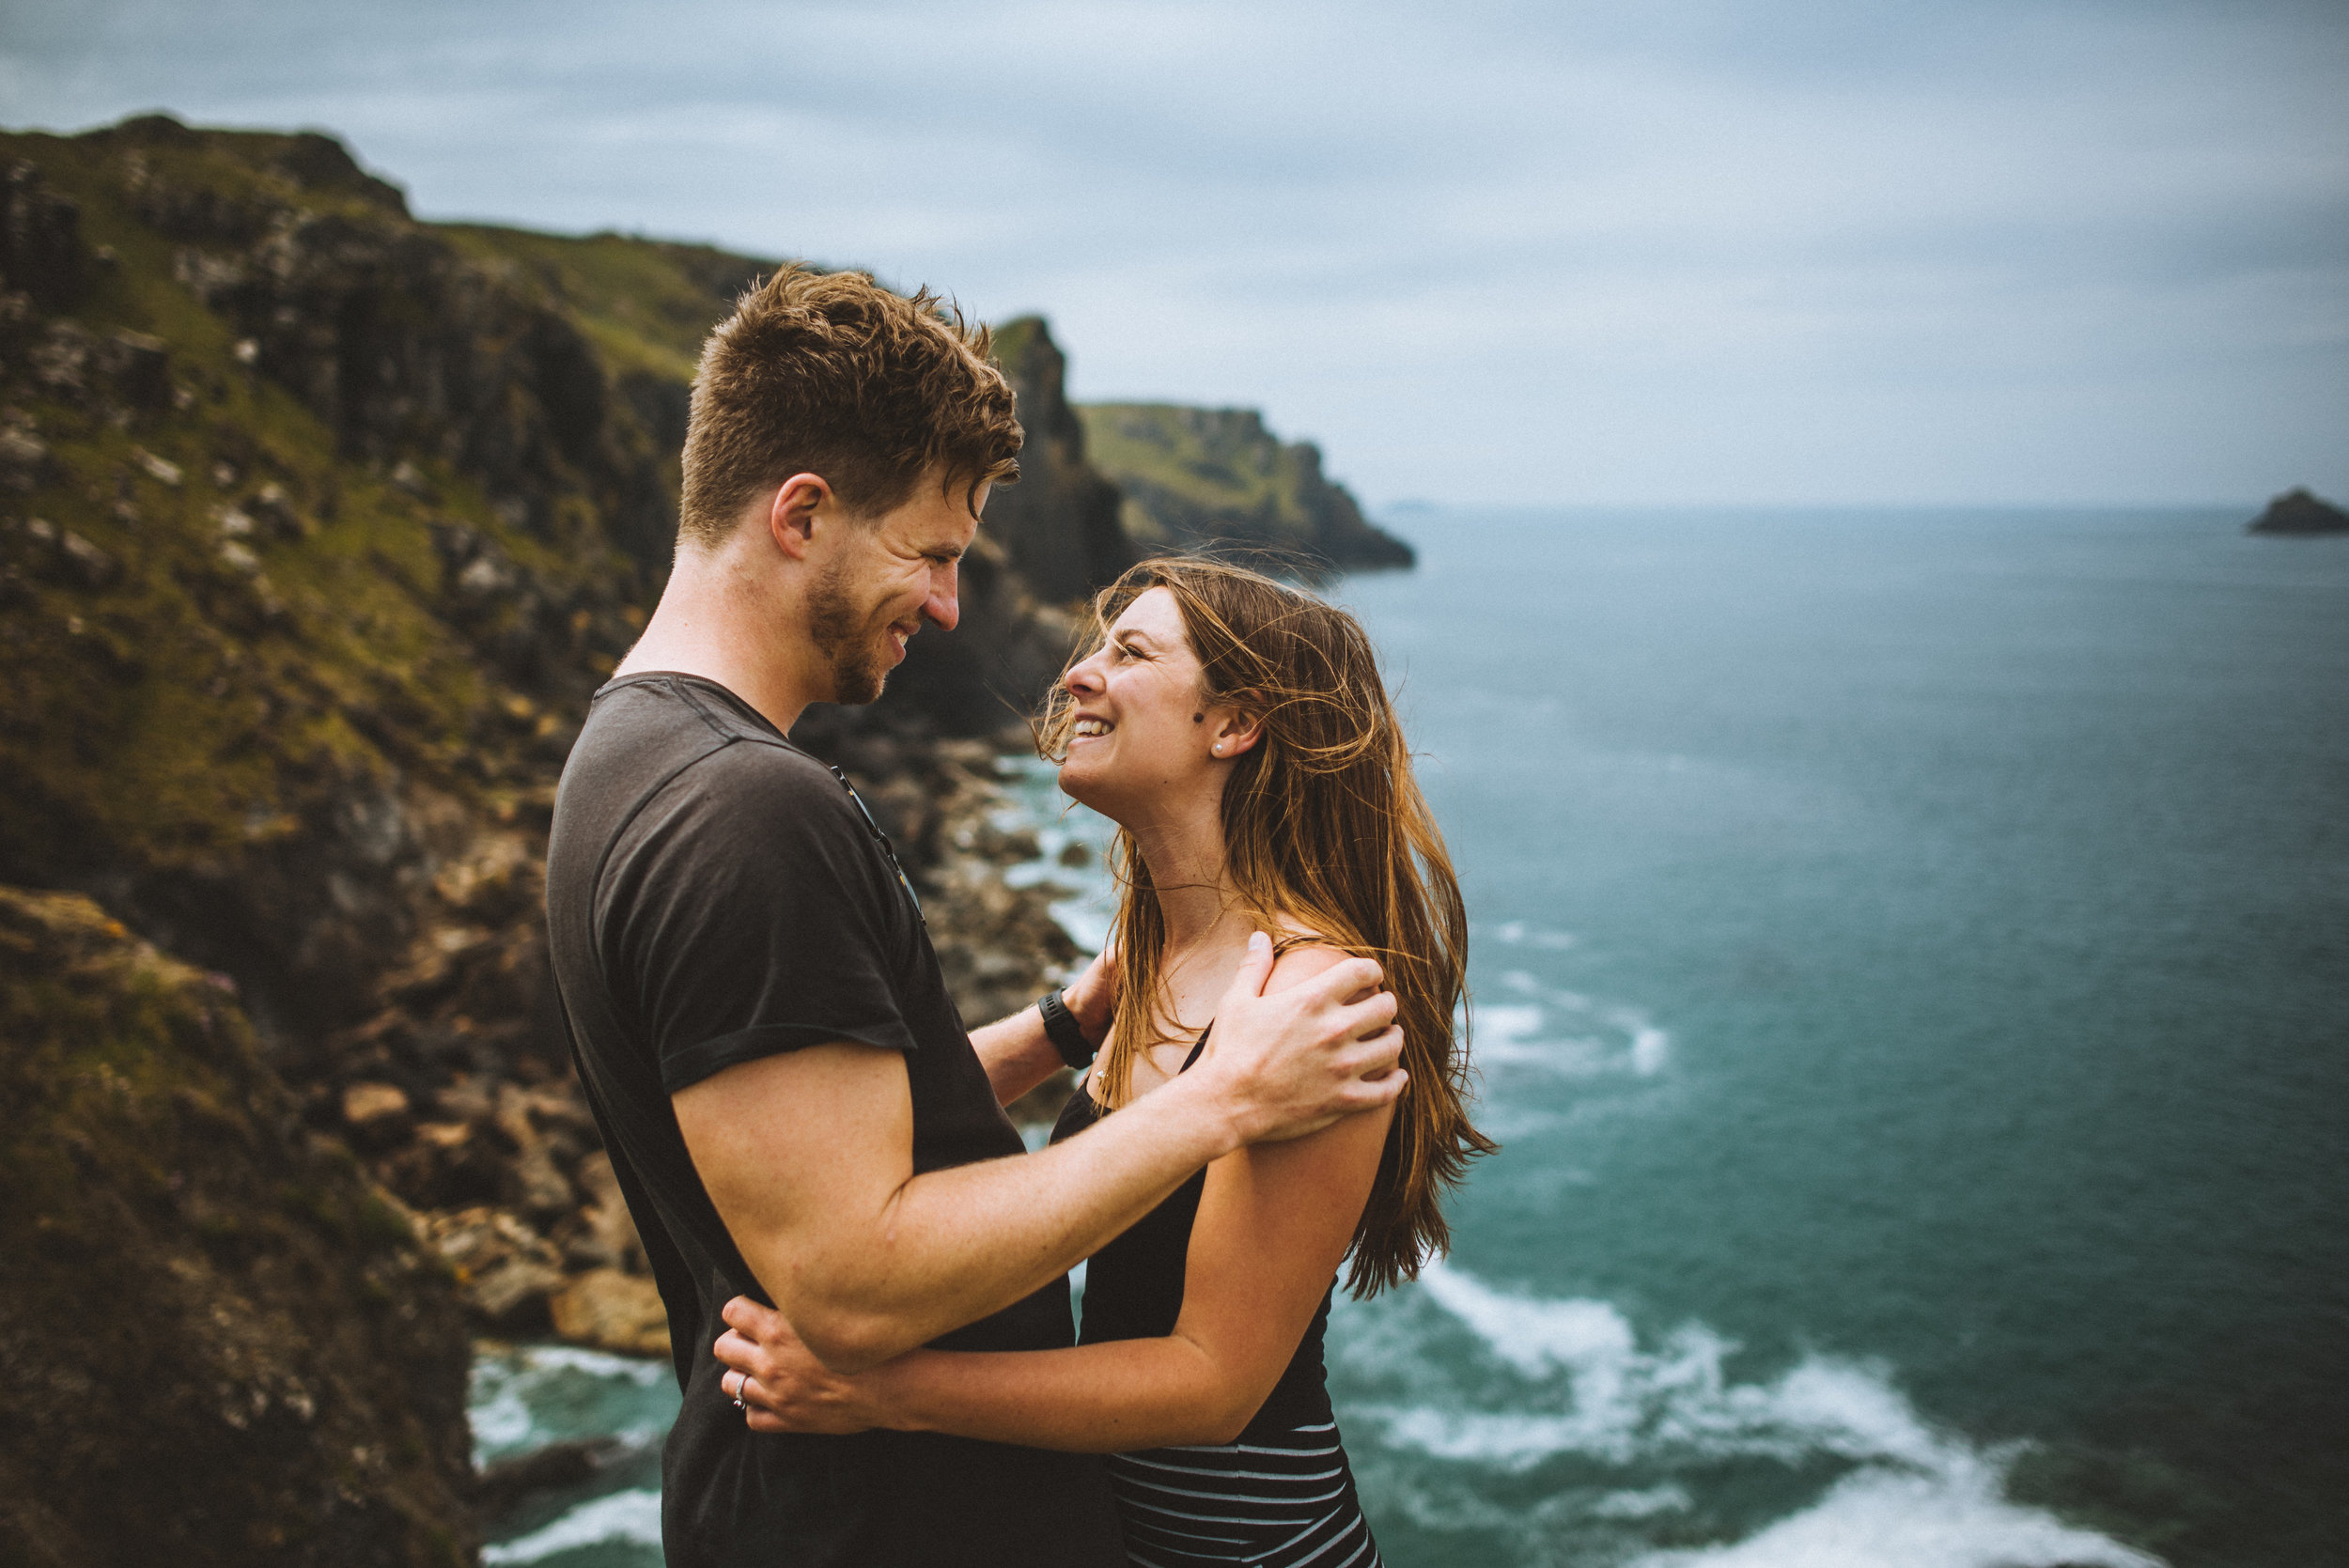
pixel 1061 1029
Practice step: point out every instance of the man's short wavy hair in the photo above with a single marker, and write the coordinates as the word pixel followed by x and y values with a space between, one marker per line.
pixel 829 373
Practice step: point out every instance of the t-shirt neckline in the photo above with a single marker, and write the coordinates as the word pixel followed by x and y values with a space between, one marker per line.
pixel 733 698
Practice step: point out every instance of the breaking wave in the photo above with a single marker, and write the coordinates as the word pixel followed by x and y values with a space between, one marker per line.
pixel 632 1518
pixel 1636 1429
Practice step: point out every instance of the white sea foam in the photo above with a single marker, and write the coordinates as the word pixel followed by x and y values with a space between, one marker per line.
pixel 632 1517
pixel 641 1370
pixel 506 1385
pixel 1651 1049
pixel 1670 1498
pixel 1954 1516
pixel 1562 1034
pixel 1920 1497
pixel 1519 933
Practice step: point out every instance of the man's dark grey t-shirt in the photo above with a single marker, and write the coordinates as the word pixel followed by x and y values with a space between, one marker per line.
pixel 714 895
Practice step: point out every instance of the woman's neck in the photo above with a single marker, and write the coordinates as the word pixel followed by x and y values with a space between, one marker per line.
pixel 1191 881
pixel 1185 853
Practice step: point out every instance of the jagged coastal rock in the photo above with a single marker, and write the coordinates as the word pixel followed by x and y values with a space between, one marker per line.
pixel 2297 511
pixel 222 1344
pixel 318 527
pixel 1200 477
pixel 1061 521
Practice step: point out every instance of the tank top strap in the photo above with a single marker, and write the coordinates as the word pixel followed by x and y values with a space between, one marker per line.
pixel 1196 1050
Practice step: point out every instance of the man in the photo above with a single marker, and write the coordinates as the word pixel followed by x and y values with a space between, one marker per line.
pixel 790 1101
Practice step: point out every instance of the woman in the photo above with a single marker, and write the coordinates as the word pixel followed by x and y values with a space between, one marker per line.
pixel 1238 733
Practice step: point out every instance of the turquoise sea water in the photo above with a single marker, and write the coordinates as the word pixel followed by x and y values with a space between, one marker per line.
pixel 1911 968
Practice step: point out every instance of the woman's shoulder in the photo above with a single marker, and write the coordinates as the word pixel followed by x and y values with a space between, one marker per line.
pixel 1299 954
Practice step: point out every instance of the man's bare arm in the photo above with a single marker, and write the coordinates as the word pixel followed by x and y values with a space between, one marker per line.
pixel 808 1156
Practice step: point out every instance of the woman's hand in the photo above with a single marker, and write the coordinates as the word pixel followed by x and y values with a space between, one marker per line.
pixel 780 1383
pixel 1092 996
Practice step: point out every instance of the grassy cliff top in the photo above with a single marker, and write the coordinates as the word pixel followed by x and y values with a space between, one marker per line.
pixel 1199 477
pixel 647 304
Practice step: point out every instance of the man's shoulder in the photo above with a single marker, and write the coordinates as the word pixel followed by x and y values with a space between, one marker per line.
pixel 653 726
pixel 674 749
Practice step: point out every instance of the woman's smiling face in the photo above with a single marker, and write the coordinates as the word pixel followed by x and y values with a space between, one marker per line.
pixel 1143 733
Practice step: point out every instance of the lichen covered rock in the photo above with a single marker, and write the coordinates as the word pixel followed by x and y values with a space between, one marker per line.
pixel 222 1344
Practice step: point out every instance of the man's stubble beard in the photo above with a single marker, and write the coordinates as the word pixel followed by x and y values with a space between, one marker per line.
pixel 843 634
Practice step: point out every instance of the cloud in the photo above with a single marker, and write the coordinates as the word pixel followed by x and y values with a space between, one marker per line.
pixel 1816 249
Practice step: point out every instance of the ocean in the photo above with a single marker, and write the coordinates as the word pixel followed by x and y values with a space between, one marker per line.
pixel 1911 961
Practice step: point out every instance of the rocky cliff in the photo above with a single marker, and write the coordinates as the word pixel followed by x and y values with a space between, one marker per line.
pixel 1217 478
pixel 318 527
pixel 222 1346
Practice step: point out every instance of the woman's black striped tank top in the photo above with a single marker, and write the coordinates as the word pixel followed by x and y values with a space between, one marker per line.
pixel 1282 1493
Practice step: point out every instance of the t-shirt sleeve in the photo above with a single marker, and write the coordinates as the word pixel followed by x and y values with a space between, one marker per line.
pixel 745 912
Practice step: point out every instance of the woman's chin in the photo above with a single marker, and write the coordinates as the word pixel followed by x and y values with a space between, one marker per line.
pixel 1080 784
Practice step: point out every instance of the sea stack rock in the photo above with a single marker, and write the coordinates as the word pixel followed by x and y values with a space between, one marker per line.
pixel 2297 511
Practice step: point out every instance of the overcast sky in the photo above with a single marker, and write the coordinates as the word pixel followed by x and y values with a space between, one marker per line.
pixel 1777 251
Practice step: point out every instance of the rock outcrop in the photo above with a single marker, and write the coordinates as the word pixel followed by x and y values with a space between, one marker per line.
pixel 1060 524
pixel 222 1344
pixel 1217 479
pixel 2297 511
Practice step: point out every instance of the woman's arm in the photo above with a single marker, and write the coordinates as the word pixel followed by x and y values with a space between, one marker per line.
pixel 1015 1052
pixel 1274 1223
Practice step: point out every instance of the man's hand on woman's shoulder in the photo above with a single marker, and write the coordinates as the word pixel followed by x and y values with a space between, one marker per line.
pixel 1291 1058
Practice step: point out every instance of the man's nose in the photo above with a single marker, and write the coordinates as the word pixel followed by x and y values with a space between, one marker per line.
pixel 943 606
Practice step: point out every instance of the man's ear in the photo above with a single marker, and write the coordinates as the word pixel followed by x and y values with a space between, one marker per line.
pixel 792 513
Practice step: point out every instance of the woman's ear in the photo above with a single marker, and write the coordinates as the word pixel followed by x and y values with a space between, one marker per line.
pixel 1237 726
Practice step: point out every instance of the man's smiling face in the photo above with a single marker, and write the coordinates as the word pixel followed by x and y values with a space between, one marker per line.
pixel 889 575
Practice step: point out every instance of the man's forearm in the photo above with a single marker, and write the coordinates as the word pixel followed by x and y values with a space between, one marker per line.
pixel 808 1156
pixel 949 1247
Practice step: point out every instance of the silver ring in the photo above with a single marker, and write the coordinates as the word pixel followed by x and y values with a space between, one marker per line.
pixel 739 1388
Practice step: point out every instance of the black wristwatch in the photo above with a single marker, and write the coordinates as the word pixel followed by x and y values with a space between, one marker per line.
pixel 1061 1029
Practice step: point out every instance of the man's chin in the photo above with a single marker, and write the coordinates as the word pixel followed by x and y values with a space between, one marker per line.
pixel 855 684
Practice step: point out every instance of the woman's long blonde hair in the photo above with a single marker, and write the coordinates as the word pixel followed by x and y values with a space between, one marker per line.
pixel 1325 830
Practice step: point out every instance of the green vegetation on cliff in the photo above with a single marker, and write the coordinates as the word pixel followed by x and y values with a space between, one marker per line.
pixel 319 524
pixel 1215 479
pixel 222 1345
